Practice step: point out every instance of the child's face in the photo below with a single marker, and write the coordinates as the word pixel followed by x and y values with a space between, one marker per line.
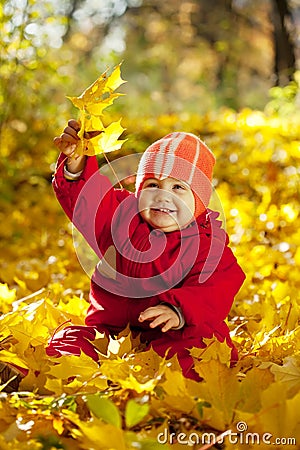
pixel 167 205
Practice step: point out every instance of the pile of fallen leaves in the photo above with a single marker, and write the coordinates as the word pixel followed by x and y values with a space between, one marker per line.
pixel 135 399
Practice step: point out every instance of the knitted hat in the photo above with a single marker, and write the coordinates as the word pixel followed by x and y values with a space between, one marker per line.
pixel 182 156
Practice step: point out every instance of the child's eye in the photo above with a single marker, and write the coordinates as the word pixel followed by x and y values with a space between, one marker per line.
pixel 151 185
pixel 178 187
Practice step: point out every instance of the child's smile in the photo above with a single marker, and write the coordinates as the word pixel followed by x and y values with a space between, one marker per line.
pixel 161 214
pixel 167 204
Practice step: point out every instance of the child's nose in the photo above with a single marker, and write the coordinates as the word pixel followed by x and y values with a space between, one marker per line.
pixel 163 195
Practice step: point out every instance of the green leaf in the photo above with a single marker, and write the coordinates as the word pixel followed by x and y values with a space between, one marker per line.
pixel 104 409
pixel 135 413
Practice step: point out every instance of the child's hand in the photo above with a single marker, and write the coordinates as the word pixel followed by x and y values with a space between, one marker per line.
pixel 67 143
pixel 68 140
pixel 162 315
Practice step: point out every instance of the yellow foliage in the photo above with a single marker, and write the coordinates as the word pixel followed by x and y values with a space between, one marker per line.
pixel 91 104
pixel 214 350
pixel 6 294
pixel 43 286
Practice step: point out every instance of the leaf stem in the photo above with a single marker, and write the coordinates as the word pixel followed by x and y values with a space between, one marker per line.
pixel 113 171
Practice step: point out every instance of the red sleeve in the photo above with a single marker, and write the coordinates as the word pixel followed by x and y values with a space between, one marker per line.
pixel 67 191
pixel 206 305
pixel 89 202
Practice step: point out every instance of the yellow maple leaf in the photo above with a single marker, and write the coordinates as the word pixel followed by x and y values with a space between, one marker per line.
pixel 139 372
pixel 91 103
pixel 261 378
pixel 115 80
pixel 97 434
pixel 54 385
pixel 177 395
pixel 9 357
pixel 108 141
pixel 273 414
pixel 214 350
pixel 82 367
pixel 221 389
pixel 132 383
pixel 288 374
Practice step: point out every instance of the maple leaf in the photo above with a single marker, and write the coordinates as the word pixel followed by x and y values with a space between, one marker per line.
pixel 69 366
pixel 73 373
pixel 279 415
pixel 109 139
pixel 176 393
pixel 10 357
pixel 214 350
pixel 250 399
pixel 140 372
pixel 221 389
pixel 96 434
pixel 91 103
pixel 288 374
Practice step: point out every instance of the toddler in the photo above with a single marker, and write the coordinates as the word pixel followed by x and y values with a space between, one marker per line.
pixel 165 267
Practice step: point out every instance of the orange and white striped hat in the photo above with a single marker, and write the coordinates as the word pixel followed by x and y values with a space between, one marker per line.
pixel 182 156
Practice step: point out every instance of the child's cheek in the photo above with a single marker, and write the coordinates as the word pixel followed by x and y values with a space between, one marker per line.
pixel 144 200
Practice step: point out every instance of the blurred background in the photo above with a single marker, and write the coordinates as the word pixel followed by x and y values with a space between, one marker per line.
pixel 188 55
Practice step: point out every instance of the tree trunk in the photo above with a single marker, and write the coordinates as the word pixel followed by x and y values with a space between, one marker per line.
pixel 284 58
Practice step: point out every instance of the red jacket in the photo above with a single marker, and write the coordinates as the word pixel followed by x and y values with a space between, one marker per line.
pixel 192 269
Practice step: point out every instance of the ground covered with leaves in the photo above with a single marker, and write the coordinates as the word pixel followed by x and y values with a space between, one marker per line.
pixel 136 400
